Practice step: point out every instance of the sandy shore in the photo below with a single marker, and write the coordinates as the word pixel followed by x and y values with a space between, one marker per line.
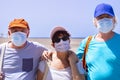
pixel 47 42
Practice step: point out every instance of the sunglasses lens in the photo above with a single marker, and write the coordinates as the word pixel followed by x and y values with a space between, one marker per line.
pixel 65 38
pixel 57 40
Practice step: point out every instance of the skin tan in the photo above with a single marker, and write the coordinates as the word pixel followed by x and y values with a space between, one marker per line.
pixel 61 60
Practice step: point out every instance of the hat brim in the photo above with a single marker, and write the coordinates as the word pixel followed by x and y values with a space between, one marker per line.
pixel 55 30
pixel 103 13
pixel 18 25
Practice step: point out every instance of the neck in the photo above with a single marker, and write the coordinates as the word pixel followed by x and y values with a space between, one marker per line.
pixel 59 60
pixel 104 36
pixel 61 55
pixel 11 45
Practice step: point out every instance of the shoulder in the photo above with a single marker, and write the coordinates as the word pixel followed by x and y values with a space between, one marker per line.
pixel 83 42
pixel 117 35
pixel 3 44
pixel 36 45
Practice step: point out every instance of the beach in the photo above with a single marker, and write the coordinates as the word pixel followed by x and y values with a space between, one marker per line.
pixel 47 42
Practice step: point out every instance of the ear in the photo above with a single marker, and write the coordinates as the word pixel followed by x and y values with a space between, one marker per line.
pixel 114 20
pixel 95 22
pixel 8 33
pixel 28 33
pixel 69 40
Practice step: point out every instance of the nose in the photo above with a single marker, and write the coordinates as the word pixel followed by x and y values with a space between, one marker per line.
pixel 61 40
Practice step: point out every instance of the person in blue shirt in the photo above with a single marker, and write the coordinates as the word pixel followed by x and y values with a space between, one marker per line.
pixel 103 56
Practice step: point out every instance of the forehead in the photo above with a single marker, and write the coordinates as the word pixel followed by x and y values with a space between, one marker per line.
pixel 104 16
pixel 61 33
pixel 17 28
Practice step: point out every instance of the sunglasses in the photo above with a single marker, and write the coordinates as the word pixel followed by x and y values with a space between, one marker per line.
pixel 57 40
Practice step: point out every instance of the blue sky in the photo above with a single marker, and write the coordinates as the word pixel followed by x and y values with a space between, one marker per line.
pixel 42 15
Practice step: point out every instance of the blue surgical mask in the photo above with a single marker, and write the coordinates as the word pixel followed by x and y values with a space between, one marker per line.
pixel 18 38
pixel 105 25
pixel 62 46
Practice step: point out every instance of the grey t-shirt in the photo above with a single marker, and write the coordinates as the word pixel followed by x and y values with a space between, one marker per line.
pixel 21 64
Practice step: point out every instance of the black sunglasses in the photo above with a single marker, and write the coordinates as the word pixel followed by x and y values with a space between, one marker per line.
pixel 57 40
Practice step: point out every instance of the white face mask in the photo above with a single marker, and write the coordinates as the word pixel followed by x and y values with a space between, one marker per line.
pixel 105 25
pixel 18 38
pixel 62 46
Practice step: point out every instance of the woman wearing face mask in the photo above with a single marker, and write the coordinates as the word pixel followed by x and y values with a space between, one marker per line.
pixel 103 56
pixel 64 64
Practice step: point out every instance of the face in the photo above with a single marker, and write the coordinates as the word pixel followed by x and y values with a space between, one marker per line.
pixel 60 36
pixel 18 36
pixel 103 16
pixel 61 42
pixel 105 23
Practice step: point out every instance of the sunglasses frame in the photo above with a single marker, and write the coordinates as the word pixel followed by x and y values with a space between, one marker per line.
pixel 57 40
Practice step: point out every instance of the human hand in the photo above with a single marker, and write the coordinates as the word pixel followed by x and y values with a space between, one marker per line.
pixel 47 55
pixel 72 57
pixel 1 76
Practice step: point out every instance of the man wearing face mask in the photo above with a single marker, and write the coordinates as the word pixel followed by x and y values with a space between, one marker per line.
pixel 21 57
pixel 64 64
pixel 103 55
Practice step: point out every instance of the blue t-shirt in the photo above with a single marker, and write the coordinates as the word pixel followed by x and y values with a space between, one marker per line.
pixel 21 64
pixel 103 58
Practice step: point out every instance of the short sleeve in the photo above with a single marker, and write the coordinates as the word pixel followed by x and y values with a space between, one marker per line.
pixel 41 66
